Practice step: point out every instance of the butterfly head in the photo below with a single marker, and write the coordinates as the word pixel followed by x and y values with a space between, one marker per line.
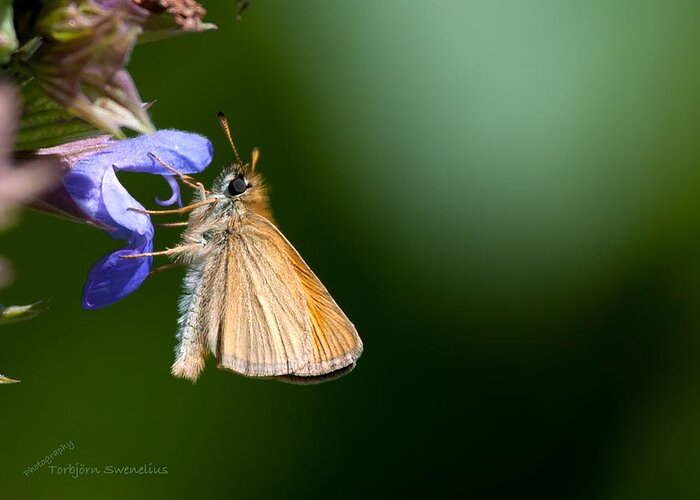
pixel 242 189
pixel 239 183
pixel 238 180
pixel 235 182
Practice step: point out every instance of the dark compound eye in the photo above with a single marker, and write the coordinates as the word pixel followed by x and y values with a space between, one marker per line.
pixel 237 186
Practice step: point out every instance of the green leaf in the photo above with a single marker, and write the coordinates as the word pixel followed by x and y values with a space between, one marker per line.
pixel 45 123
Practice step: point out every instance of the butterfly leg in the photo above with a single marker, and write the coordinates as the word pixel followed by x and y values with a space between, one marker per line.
pixel 182 210
pixel 186 179
pixel 169 251
pixel 164 267
pixel 172 224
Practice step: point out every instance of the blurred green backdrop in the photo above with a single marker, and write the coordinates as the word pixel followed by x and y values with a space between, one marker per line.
pixel 503 196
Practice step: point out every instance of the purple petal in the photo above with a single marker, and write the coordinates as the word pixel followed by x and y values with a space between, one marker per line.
pixel 172 181
pixel 99 194
pixel 60 203
pixel 185 152
pixel 85 187
pixel 113 278
pixel 118 201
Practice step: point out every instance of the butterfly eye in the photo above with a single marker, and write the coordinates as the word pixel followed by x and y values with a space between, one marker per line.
pixel 237 186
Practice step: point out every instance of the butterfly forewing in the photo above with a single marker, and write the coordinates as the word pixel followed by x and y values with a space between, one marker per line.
pixel 263 332
pixel 335 343
pixel 278 317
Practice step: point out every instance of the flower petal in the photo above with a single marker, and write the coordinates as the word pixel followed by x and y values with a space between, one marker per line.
pixel 172 181
pixel 86 190
pixel 118 203
pixel 104 198
pixel 97 192
pixel 113 278
pixel 186 152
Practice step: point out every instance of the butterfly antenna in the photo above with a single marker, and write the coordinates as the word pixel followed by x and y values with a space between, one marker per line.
pixel 227 131
pixel 255 155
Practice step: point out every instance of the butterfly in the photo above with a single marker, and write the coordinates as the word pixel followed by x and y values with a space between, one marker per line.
pixel 249 298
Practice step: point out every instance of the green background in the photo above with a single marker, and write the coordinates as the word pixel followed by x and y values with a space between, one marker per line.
pixel 503 196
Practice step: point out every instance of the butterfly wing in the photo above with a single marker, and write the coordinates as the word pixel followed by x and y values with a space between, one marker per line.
pixel 278 319
pixel 335 343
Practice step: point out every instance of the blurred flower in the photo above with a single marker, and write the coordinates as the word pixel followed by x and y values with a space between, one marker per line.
pixel 80 64
pixel 185 13
pixel 93 186
pixel 85 46
pixel 18 184
pixel 181 16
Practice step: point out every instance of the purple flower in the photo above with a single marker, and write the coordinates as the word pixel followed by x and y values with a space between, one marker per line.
pixel 93 185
